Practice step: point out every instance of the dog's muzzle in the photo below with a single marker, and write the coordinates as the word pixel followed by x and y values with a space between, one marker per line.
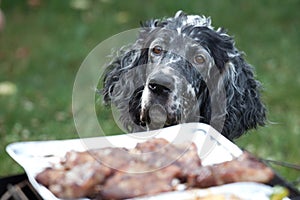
pixel 157 100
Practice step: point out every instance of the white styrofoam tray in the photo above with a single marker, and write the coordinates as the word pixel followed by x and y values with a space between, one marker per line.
pixel 35 156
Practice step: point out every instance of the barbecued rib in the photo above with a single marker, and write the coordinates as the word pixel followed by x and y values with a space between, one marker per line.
pixel 79 177
pixel 160 153
pixel 123 185
pixel 81 173
pixel 244 168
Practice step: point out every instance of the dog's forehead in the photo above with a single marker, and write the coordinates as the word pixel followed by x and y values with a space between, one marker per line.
pixel 184 20
pixel 173 39
pixel 181 20
pixel 178 48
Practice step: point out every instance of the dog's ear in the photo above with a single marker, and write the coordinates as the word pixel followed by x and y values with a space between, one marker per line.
pixel 123 80
pixel 245 109
pixel 111 76
pixel 114 74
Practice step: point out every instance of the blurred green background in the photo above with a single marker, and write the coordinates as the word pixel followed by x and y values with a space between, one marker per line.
pixel 43 43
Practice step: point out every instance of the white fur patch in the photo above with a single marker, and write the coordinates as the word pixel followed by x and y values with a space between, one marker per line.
pixel 191 90
pixel 195 20
pixel 145 97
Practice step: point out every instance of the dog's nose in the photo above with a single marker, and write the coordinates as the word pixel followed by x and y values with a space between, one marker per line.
pixel 161 84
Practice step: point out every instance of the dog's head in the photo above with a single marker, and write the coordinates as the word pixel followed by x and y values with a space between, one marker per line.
pixel 181 70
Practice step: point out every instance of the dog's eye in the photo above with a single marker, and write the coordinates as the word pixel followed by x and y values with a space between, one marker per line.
pixel 199 59
pixel 157 50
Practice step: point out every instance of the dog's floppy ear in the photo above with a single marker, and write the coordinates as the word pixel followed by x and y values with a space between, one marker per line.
pixel 123 80
pixel 126 61
pixel 245 109
pixel 125 77
pixel 128 58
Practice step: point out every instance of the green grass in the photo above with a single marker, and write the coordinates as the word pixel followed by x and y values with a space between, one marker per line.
pixel 41 49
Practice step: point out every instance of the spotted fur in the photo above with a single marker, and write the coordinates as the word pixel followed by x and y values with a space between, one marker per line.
pixel 221 91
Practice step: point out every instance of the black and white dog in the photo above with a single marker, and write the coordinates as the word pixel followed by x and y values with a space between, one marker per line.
pixel 180 70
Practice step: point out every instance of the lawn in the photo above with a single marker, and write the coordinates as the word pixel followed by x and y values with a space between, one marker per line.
pixel 44 43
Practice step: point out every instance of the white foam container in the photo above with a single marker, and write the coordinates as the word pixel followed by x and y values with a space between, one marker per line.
pixel 213 148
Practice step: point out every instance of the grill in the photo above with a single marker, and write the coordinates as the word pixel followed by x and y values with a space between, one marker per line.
pixel 17 188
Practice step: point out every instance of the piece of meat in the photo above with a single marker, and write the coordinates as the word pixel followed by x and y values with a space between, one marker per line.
pixel 49 176
pixel 189 160
pixel 79 176
pixel 130 184
pixel 161 153
pixel 244 168
pixel 81 173
pixel 74 158
pixel 81 181
pixel 115 158
pixel 155 163
pixel 152 145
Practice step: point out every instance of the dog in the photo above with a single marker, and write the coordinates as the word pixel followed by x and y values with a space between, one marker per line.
pixel 179 70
